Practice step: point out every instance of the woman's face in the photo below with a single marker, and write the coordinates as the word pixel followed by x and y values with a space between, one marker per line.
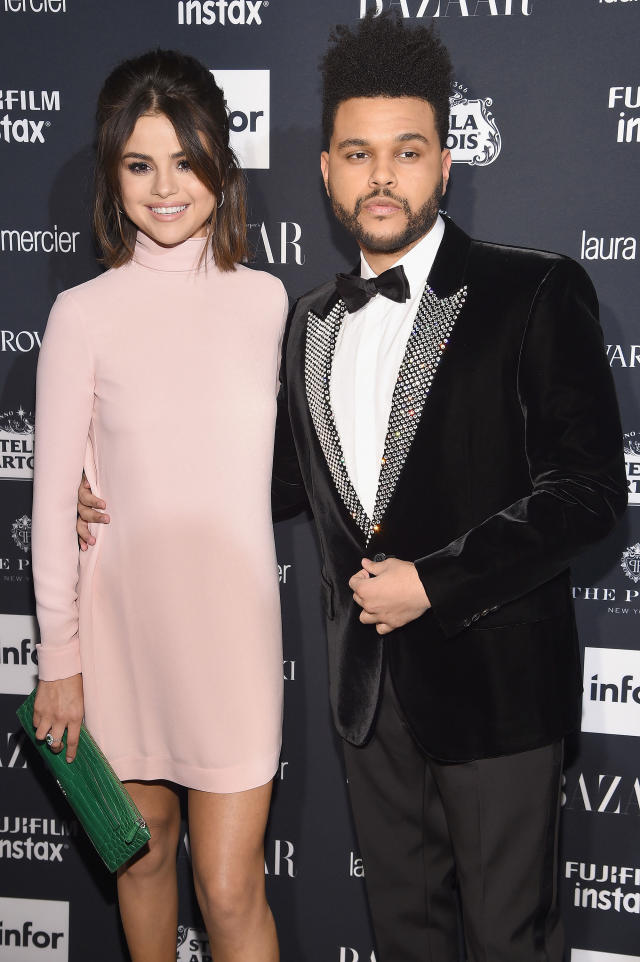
pixel 160 193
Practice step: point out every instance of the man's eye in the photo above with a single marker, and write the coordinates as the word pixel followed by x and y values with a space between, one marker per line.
pixel 409 154
pixel 358 155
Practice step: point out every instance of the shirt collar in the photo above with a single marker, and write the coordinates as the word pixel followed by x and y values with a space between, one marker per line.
pixel 418 261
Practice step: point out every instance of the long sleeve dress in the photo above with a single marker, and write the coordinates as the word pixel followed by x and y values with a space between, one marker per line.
pixel 159 378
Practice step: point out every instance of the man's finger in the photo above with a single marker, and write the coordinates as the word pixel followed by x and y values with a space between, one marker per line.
pixel 368 618
pixel 85 536
pixel 357 577
pixel 91 516
pixel 383 629
pixel 86 496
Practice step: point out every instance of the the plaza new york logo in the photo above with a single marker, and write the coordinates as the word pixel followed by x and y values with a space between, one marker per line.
pixel 16 444
pixel 473 138
pixel 417 9
pixel 206 13
pixel 632 464
pixel 21 533
pixel 21 129
pixel 193 945
pixel 630 563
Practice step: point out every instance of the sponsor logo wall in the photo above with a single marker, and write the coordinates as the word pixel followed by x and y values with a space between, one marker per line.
pixel 544 157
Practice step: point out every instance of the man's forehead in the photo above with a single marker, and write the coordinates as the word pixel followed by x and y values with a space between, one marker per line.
pixel 375 117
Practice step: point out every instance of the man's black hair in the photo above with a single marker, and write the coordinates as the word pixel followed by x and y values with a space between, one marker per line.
pixel 382 57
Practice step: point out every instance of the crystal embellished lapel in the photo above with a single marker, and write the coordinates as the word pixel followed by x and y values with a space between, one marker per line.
pixel 426 345
pixel 322 333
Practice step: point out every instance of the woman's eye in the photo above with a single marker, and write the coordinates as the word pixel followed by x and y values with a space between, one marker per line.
pixel 184 165
pixel 138 167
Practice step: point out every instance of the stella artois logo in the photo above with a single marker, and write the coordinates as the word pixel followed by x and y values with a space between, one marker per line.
pixel 630 563
pixel 21 533
pixel 474 138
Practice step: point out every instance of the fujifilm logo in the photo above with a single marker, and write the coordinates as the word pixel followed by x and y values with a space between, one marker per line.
pixel 416 9
pixel 24 130
pixel 206 13
pixel 35 6
pixel 612 689
pixel 34 839
pixel 34 929
pixel 628 98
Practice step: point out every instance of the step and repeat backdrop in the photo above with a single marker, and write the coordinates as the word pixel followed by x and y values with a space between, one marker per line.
pixel 545 136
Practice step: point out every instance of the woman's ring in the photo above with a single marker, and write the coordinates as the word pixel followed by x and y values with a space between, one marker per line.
pixel 50 740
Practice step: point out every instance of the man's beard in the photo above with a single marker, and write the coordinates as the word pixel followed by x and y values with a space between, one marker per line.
pixel 418 223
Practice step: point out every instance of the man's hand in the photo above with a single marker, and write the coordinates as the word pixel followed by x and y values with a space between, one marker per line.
pixel 90 510
pixel 59 705
pixel 392 598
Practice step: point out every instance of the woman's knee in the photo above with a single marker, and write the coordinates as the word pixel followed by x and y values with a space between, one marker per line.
pixel 231 899
pixel 161 850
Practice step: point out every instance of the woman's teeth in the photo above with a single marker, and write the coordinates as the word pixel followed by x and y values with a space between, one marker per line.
pixel 169 210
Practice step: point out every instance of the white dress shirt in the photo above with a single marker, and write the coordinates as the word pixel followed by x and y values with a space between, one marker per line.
pixel 369 350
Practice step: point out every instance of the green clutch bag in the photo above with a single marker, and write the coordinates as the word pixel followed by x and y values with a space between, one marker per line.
pixel 100 801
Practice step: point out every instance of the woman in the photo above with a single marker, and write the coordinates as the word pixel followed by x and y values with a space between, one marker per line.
pixel 158 373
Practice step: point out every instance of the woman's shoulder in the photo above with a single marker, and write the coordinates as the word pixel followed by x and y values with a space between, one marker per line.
pixel 92 290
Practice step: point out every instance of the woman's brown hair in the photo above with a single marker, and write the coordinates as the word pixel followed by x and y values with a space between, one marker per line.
pixel 180 87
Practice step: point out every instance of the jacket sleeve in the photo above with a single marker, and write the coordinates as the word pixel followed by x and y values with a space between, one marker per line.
pixel 574 449
pixel 64 404
pixel 288 494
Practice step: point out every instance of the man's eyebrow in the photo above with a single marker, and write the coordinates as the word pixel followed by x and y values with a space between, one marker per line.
pixel 352 142
pixel 402 138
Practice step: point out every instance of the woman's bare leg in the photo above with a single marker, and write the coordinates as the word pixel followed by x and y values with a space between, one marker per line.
pixel 227 850
pixel 147 886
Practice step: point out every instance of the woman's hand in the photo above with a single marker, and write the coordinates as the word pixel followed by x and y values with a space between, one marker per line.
pixel 59 705
pixel 90 511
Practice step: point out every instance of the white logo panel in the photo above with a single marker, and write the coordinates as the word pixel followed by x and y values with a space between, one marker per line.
pixel 585 955
pixel 611 702
pixel 34 929
pixel 18 659
pixel 247 93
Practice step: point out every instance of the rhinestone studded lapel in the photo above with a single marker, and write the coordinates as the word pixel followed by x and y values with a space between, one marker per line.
pixel 427 343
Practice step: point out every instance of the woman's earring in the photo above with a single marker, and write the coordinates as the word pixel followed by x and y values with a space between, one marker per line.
pixel 222 201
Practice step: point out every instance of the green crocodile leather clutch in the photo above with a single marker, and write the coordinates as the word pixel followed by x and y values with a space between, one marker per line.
pixel 100 801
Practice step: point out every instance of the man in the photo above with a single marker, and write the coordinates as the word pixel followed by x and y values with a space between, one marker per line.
pixel 454 428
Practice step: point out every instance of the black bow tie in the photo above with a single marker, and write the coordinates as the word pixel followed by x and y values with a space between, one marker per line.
pixel 357 291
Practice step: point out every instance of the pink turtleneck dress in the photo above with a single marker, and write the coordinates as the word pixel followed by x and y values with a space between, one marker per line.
pixel 160 379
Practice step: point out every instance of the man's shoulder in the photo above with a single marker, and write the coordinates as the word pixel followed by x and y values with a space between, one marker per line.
pixel 521 264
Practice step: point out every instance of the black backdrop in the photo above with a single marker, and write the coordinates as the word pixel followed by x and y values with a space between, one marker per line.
pixel 546 136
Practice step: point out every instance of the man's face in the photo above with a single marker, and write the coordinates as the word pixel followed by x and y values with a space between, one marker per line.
pixel 385 172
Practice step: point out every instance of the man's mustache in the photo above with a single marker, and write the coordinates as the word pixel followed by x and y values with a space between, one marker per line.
pixel 382 193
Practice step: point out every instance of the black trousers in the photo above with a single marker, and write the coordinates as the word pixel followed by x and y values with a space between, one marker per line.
pixel 486 831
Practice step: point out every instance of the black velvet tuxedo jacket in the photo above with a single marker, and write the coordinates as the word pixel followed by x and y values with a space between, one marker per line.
pixel 503 460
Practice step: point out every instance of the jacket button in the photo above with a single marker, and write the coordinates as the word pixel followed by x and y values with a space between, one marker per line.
pixel 485 613
pixel 475 617
pixel 466 622
pixel 380 556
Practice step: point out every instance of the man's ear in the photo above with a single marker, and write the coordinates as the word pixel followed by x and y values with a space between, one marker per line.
pixel 324 167
pixel 446 167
